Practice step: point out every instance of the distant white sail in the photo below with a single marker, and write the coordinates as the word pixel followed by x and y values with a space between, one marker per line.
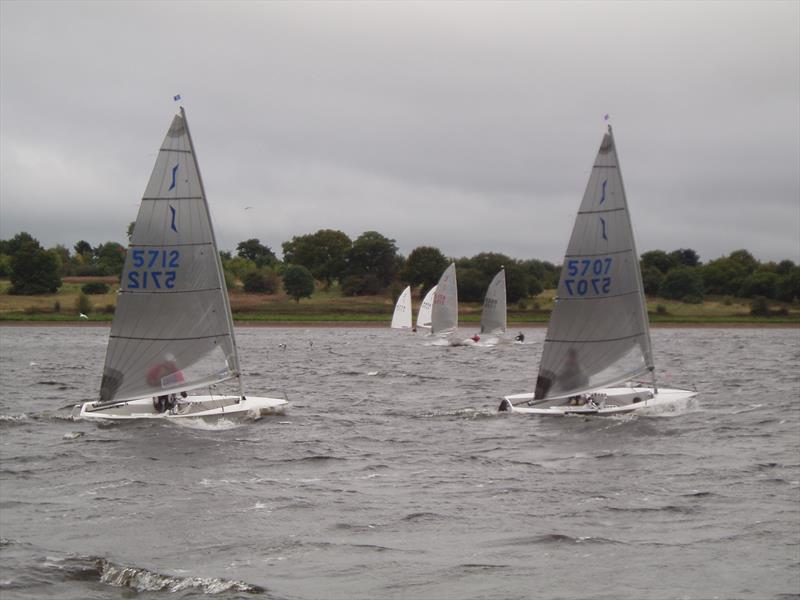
pixel 493 318
pixel 402 311
pixel 425 310
pixel 172 328
pixel 598 334
pixel 444 316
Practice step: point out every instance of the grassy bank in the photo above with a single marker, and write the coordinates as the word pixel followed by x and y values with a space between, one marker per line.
pixel 329 306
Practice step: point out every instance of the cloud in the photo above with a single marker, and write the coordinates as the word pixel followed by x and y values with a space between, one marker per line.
pixel 468 126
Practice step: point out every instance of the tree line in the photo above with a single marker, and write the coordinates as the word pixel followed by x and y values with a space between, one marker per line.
pixel 372 264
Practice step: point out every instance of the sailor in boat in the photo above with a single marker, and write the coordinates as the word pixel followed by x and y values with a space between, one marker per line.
pixel 520 337
pixel 572 376
pixel 475 338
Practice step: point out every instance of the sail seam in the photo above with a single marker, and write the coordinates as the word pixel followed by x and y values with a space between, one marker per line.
pixel 560 298
pixel 170 245
pixel 170 198
pixel 163 291
pixel 180 339
pixel 599 253
pixel 604 166
pixel 606 210
pixel 174 150
pixel 584 341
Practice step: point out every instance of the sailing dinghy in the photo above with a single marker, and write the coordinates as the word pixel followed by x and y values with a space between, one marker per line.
pixel 598 339
pixel 444 315
pixel 173 330
pixel 402 311
pixel 426 310
pixel 493 317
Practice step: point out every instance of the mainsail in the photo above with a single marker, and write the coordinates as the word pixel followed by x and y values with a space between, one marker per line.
pixel 402 311
pixel 426 309
pixel 172 328
pixel 493 318
pixel 444 316
pixel 598 334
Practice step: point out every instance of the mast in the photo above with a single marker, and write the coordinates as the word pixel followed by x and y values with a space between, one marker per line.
pixel 220 275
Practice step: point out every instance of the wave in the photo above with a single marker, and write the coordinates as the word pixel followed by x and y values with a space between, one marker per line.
pixel 556 538
pixel 140 579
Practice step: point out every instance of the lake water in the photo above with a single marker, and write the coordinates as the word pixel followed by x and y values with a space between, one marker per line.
pixel 392 476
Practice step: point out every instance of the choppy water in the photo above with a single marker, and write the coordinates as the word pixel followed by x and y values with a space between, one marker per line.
pixel 392 476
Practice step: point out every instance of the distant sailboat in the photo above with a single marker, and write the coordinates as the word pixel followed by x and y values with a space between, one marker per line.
pixel 444 316
pixel 598 339
pixel 402 311
pixel 173 330
pixel 426 310
pixel 493 317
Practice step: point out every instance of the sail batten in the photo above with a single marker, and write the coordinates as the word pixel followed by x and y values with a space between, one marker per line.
pixel 172 329
pixel 598 333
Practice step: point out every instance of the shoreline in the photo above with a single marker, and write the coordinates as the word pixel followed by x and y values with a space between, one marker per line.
pixel 382 325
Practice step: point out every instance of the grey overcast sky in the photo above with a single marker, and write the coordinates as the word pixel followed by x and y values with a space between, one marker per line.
pixel 468 126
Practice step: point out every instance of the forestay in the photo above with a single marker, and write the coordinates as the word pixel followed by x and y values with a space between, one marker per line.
pixel 402 311
pixel 444 316
pixel 493 317
pixel 598 333
pixel 426 310
pixel 172 329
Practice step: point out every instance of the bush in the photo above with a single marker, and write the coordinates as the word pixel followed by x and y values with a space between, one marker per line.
pixel 682 283
pixel 759 307
pixel 692 299
pixel 56 306
pixel 356 285
pixel 83 304
pixel 661 309
pixel 109 309
pixel 94 287
pixel 260 281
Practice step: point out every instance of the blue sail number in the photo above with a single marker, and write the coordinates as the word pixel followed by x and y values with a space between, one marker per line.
pixel 587 276
pixel 153 269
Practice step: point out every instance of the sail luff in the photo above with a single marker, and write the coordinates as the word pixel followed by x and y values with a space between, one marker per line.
pixel 220 274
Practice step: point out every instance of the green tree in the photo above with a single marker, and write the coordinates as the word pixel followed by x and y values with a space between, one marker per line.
pixel 424 266
pixel 323 253
pixel 652 279
pixel 372 262
pixel 760 283
pixel 298 282
pixel 682 283
pixel 34 270
pixel 84 248
pixel 788 289
pixel 745 259
pixel 685 257
pixel 262 281
pixel 254 250
pixel 110 258
pixel 11 246
pixel 723 276
pixel 658 259
pixel 546 272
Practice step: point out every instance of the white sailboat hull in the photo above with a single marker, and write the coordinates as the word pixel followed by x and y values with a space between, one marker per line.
pixel 608 401
pixel 195 407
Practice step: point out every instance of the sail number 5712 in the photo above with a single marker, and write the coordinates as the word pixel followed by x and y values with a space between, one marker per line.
pixel 588 276
pixel 153 269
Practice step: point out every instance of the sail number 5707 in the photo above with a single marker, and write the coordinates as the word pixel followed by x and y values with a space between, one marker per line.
pixel 153 269
pixel 588 275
